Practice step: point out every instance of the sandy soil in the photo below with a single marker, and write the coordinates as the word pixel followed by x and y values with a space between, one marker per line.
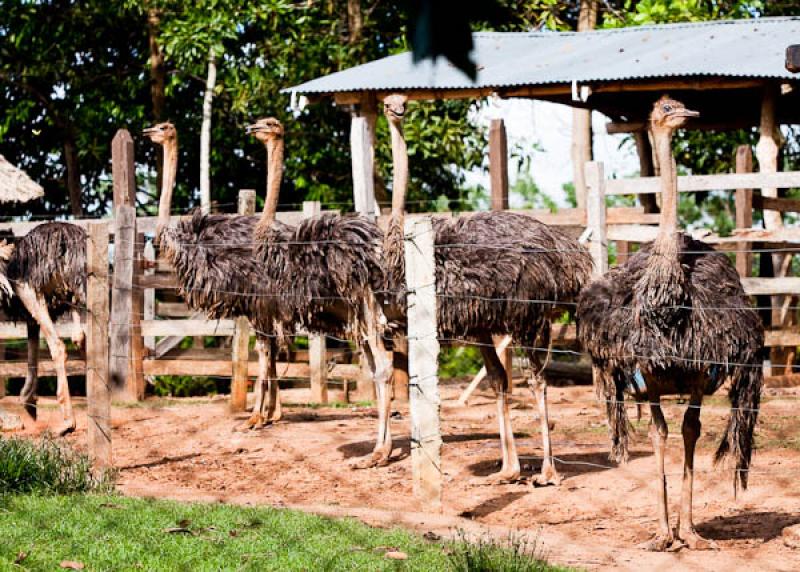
pixel 189 450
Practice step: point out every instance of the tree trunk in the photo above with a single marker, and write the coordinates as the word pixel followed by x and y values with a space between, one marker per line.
pixel 582 118
pixel 158 78
pixel 205 134
pixel 73 176
pixel 355 22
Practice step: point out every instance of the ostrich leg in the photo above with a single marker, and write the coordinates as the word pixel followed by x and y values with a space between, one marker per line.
pixel 273 405
pixel 378 360
pixel 509 471
pixel 538 385
pixel 37 308
pixel 256 419
pixel 691 432
pixel 28 394
pixel 658 434
pixel 78 335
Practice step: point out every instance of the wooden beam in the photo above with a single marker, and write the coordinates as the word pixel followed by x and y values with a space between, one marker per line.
pixel 123 383
pixel 498 165
pixel 744 210
pixel 596 216
pixel 98 387
pixel 223 368
pixel 624 127
pixel 779 204
pixel 149 295
pixel 771 286
pixel 240 346
pixel 317 345
pixel 191 327
pixel 362 155
pixel 692 183
pixel 423 358
pixel 793 58
pixel 357 97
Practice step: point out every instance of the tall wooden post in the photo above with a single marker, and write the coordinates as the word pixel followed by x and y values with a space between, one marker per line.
pixel 98 390
pixel 581 149
pixel 149 294
pixel 317 346
pixel 362 154
pixel 240 356
pixel 596 216
pixel 498 173
pixel 646 168
pixel 127 380
pixel 744 210
pixel 423 362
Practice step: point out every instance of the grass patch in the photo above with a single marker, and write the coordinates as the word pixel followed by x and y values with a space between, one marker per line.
pixel 114 533
pixel 514 554
pixel 45 466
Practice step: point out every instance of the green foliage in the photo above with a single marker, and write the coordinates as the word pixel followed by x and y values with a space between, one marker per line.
pixel 118 533
pixel 530 195
pixel 184 386
pixel 45 466
pixel 514 554
pixel 458 361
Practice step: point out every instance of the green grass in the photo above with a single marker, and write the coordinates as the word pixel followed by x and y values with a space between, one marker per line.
pixel 115 533
pixel 45 466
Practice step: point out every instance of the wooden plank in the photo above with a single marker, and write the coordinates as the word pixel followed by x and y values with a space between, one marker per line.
pixel 771 286
pixel 137 310
pixel 693 183
pixel 317 344
pixel 623 252
pixel 596 216
pixel 98 387
pixel 123 172
pixel 498 165
pixel 779 204
pixel 631 233
pixel 782 235
pixel 149 295
pixel 362 156
pixel 423 354
pixel 240 346
pixel 159 281
pixel 171 310
pixel 223 368
pixel 122 382
pixel 793 58
pixel 781 338
pixel 744 210
pixel 46 368
pixel 618 127
pixel 191 327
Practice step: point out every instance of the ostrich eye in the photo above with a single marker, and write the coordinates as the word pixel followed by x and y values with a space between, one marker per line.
pixel 667 108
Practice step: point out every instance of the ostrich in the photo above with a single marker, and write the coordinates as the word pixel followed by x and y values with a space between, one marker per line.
pixel 218 273
pixel 326 272
pixel 675 318
pixel 46 271
pixel 492 269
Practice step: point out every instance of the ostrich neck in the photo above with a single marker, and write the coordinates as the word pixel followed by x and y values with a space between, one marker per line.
pixel 274 175
pixel 668 222
pixel 400 169
pixel 167 182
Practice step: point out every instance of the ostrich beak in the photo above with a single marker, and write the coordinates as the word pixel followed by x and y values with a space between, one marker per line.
pixel 148 131
pixel 688 113
pixel 254 128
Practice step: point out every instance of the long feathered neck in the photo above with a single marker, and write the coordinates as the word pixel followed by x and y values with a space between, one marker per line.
pixel 400 169
pixel 668 221
pixel 274 174
pixel 167 182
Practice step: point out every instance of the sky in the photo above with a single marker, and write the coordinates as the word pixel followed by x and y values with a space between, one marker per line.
pixel 544 130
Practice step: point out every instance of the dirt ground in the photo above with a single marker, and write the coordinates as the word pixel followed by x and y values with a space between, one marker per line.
pixel 189 450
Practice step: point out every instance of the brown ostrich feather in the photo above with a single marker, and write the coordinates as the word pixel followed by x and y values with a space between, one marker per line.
pixel 52 259
pixel 628 320
pixel 214 259
pixel 324 270
pixel 498 273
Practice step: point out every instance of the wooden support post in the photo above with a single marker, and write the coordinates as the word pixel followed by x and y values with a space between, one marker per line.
pixel 581 149
pixel 498 172
pixel 744 210
pixel 623 251
pixel 423 362
pixel 596 216
pixel 240 354
pixel 149 294
pixel 317 346
pixel 498 164
pixel 646 168
pixel 137 308
pixel 98 390
pixel 363 162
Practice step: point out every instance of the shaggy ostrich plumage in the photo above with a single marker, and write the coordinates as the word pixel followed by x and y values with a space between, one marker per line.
pixel 326 272
pixel 497 273
pixel 675 315
pixel 218 273
pixel 47 272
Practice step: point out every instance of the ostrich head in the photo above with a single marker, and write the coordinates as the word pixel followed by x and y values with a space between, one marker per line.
pixel 394 107
pixel 266 129
pixel 670 114
pixel 161 133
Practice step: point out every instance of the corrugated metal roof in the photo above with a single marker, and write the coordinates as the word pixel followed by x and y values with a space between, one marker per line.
pixel 732 48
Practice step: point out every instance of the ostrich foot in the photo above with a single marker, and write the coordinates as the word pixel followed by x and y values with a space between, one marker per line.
pixel 659 543
pixel 548 476
pixel 379 458
pixel 502 477
pixel 65 429
pixel 696 542
pixel 255 422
